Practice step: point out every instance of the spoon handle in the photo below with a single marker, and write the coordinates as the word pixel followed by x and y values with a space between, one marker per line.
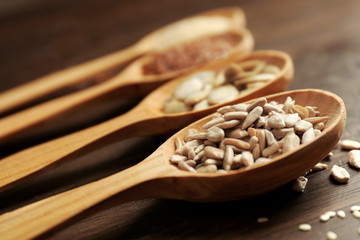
pixel 36 218
pixel 19 123
pixel 18 166
pixel 43 86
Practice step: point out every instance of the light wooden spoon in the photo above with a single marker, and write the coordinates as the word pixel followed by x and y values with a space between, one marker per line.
pixel 156 177
pixel 210 22
pixel 147 118
pixel 131 81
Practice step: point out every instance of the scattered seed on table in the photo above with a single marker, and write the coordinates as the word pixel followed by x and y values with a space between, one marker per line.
pixel 341 214
pixel 331 235
pixel 355 208
pixel 356 214
pixel 305 227
pixel 319 167
pixel 350 144
pixel 340 174
pixel 331 213
pixel 299 184
pixel 324 217
pixel 262 219
pixel 354 158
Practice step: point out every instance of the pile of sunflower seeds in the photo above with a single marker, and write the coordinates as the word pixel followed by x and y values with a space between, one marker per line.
pixel 242 135
pixel 204 89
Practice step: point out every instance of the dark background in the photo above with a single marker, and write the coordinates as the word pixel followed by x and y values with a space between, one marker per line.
pixel 38 37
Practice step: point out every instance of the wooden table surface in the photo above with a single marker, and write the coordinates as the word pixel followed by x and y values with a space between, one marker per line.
pixel 38 37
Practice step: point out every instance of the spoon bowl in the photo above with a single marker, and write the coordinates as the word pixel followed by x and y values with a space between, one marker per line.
pixel 154 102
pixel 189 28
pixel 262 177
pixel 199 25
pixel 156 177
pixel 147 118
pixel 132 81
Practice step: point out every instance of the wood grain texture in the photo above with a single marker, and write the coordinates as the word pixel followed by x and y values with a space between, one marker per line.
pixel 39 37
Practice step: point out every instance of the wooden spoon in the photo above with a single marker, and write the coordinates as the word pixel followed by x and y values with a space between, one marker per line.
pixel 210 22
pixel 132 81
pixel 147 118
pixel 156 177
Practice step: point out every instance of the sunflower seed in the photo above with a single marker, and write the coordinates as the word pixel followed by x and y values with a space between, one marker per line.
pixel 207 169
pixel 235 115
pixel 315 120
pixel 354 158
pixel 305 227
pixel 324 217
pixel 247 158
pixel 237 133
pixel 311 110
pixel 213 162
pixel 299 184
pixel 213 122
pixel 184 166
pixel 356 214
pixel 350 145
pixel 177 158
pixel 222 94
pixel 213 152
pixel 276 122
pixel 288 104
pixel 252 117
pixel 340 174
pixel 331 235
pixel 258 103
pixel 271 107
pixel 341 214
pixel 228 124
pixel 355 208
pixel 291 120
pixel 228 158
pixel 226 109
pixel 272 149
pixel 260 134
pixel 331 213
pixel 308 136
pixel 320 126
pixel 199 156
pixel 270 139
pixel 262 219
pixel 319 167
pixel 281 133
pixel 303 126
pixel 237 143
pixel 215 134
pixel 303 112
pixel 191 163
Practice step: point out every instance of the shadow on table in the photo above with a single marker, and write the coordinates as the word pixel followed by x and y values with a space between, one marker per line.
pixel 90 167
pixel 173 219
